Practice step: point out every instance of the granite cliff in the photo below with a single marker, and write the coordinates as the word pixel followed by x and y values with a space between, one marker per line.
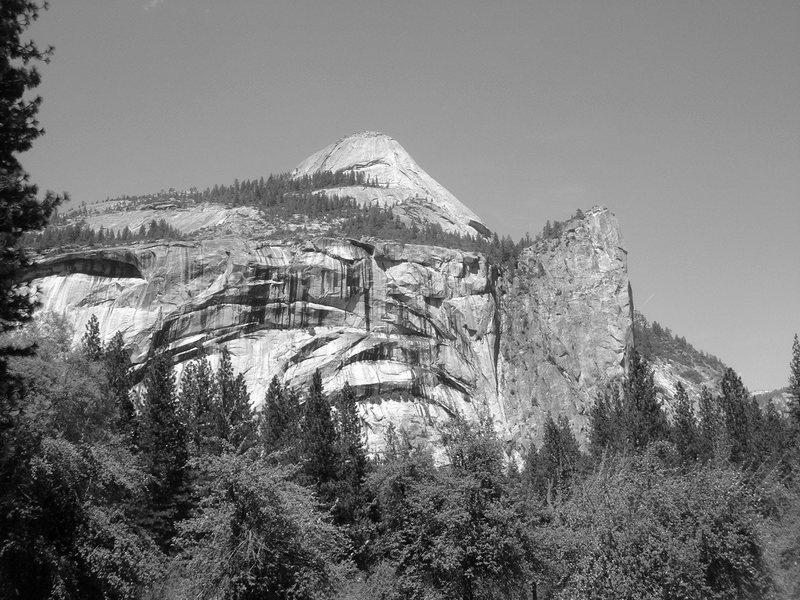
pixel 419 331
pixel 566 324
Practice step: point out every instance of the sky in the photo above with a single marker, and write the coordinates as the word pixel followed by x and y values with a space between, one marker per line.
pixel 682 117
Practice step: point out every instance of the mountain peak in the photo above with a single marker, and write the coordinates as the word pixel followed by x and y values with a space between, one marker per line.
pixel 401 182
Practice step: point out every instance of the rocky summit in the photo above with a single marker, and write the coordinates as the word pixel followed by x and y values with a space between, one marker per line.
pixel 401 182
pixel 419 331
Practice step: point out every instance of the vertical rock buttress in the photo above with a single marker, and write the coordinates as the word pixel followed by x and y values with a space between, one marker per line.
pixel 566 325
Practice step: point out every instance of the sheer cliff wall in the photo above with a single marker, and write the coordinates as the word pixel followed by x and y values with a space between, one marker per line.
pixel 420 332
pixel 566 325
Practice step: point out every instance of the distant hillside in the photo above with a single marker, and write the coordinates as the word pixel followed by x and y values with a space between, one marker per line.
pixel 674 359
pixel 779 398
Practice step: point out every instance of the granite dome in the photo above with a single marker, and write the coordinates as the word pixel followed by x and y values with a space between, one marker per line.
pixel 416 196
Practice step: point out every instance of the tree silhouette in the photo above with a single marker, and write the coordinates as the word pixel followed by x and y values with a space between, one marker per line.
pixel 794 381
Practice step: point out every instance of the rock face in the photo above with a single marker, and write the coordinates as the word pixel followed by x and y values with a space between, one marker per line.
pixel 415 326
pixel 415 194
pixel 566 325
pixel 420 332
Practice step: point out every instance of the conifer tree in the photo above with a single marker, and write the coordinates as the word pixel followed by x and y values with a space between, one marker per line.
pixel 393 447
pixel 605 422
pixel 235 419
pixel 199 399
pixel 91 344
pixel 352 457
pixel 163 447
pixel 20 211
pixel 794 382
pixel 644 420
pixel 530 473
pixel 319 436
pixel 684 427
pixel 734 402
pixel 709 425
pixel 273 420
pixel 279 419
pixel 117 363
pixel 558 457
pixel 241 423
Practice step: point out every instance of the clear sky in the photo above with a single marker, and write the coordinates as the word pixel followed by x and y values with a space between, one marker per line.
pixel 683 117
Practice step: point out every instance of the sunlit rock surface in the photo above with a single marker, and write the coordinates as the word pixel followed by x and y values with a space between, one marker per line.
pixel 415 194
pixel 566 323
pixel 418 331
pixel 411 325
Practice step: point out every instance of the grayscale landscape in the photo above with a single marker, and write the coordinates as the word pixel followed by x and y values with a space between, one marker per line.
pixel 570 369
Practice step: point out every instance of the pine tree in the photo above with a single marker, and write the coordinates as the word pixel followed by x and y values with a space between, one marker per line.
pixel 643 418
pixel 279 419
pixel 117 364
pixel 530 473
pixel 684 427
pixel 236 423
pixel 734 402
pixel 90 343
pixel 558 457
pixel 163 447
pixel 20 211
pixel 794 382
pixel 605 421
pixel 241 423
pixel 352 457
pixel 199 399
pixel 709 425
pixel 319 436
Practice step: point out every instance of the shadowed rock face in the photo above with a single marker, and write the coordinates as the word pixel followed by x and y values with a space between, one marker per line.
pixel 419 331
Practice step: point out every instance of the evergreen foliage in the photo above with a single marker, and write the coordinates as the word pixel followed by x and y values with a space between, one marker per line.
pixel 684 430
pixel 279 419
pixel 162 441
pixel 739 425
pixel 654 341
pixel 59 236
pixel 628 418
pixel 794 381
pixel 117 365
pixel 91 343
pixel 85 516
pixel 20 211
pixel 643 418
pixel 558 459
pixel 199 399
pixel 453 532
pixel 70 485
pixel 606 423
pixel 236 423
pixel 352 456
pixel 710 426
pixel 319 436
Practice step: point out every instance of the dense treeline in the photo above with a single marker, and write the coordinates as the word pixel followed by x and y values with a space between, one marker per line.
pixel 277 189
pixel 178 489
pixel 81 234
